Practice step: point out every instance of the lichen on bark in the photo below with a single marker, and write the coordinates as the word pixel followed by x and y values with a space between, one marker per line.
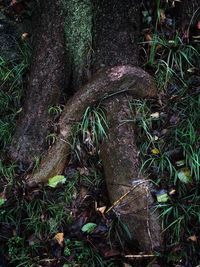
pixel 78 33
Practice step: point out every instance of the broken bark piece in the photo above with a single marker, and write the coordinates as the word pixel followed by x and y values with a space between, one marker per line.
pixel 129 191
pixel 47 78
pixel 108 83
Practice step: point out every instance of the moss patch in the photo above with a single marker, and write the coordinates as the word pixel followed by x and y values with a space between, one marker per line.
pixel 78 27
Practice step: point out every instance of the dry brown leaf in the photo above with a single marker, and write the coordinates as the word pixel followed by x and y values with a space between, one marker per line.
pixel 172 192
pixel 162 15
pixel 24 35
pixel 101 209
pixel 193 238
pixel 148 37
pixel 59 237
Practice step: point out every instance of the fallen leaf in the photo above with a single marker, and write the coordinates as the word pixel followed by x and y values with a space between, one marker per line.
pixel 54 181
pixel 193 238
pixel 172 192
pixel 162 196
pixel 148 37
pixel 162 15
pixel 2 201
pixel 155 151
pixel 185 176
pixel 180 163
pixel 198 25
pixel 24 35
pixel 83 171
pixel 101 209
pixel 155 115
pixel 88 227
pixel 155 138
pixel 59 237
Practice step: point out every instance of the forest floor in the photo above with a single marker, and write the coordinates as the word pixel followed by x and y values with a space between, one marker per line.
pixel 69 221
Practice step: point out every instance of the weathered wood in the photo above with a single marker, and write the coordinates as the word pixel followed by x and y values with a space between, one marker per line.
pixel 46 82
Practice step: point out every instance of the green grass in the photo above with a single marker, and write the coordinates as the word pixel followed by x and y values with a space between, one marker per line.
pixel 176 143
pixel 171 59
pixel 11 84
pixel 90 132
pixel 84 255
pixel 37 216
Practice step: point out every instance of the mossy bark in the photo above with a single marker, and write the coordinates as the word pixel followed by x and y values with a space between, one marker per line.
pixel 78 40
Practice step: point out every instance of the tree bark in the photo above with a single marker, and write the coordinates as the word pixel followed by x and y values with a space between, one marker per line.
pixel 127 187
pixel 115 55
pixel 46 81
pixel 111 81
pixel 115 33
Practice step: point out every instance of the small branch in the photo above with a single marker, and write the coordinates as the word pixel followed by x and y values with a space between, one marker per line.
pixel 126 194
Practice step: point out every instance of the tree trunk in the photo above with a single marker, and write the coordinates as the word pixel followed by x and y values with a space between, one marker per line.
pixel 115 34
pixel 46 82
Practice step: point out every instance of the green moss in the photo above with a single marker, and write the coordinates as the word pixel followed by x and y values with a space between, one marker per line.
pixel 78 27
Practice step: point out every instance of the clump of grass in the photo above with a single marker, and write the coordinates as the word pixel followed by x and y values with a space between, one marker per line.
pixel 171 59
pixel 84 255
pixel 11 84
pixel 91 131
pixel 32 219
pixel 169 144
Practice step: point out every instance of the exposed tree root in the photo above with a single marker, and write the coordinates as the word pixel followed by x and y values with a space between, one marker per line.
pixel 110 82
pixel 129 191
pixel 119 153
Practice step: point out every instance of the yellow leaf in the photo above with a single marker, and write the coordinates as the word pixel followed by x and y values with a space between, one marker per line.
pixel 155 151
pixel 59 237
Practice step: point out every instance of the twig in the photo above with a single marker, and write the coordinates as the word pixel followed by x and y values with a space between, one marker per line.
pixel 140 256
pixel 123 196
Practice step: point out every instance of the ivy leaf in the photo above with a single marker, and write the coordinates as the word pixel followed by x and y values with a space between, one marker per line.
pixel 54 181
pixel 89 227
pixel 185 176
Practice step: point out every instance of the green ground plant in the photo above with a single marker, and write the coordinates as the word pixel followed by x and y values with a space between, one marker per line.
pixel 170 151
pixel 85 255
pixel 90 132
pixel 11 84
pixel 171 59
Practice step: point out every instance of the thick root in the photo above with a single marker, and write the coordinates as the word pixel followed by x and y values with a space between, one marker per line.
pixel 108 83
pixel 129 191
